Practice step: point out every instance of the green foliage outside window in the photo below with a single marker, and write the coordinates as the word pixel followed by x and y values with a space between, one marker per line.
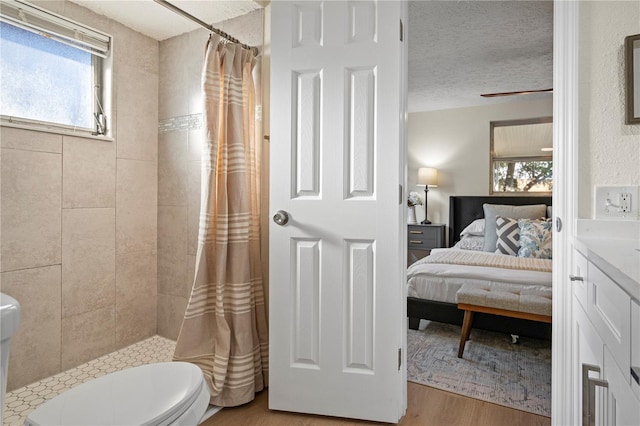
pixel 523 176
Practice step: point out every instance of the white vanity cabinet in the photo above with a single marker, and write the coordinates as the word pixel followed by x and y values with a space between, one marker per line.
pixel 606 330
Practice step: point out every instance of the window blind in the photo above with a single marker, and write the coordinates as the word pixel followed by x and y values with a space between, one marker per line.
pixel 40 21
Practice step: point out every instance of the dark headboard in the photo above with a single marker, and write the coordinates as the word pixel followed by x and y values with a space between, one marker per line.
pixel 465 209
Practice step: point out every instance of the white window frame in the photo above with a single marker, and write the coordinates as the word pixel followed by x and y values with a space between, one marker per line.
pixel 61 29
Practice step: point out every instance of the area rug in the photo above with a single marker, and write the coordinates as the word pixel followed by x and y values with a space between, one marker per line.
pixel 493 369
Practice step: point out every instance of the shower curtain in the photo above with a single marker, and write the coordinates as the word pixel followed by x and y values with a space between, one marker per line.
pixel 224 330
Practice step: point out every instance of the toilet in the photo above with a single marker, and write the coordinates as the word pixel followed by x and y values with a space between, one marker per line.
pixel 168 393
pixel 9 321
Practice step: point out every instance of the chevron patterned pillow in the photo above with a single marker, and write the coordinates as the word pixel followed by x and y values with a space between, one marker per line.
pixel 508 236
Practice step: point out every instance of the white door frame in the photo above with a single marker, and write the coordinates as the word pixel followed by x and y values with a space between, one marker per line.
pixel 565 112
pixel 565 159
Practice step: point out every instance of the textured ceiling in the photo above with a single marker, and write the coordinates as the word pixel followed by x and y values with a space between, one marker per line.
pixel 460 49
pixel 157 22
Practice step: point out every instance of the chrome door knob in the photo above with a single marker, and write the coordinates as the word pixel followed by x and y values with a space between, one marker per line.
pixel 281 217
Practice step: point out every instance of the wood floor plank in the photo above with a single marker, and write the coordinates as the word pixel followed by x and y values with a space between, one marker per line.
pixel 426 407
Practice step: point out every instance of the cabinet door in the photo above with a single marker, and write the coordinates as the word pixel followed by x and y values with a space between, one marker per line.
pixel 609 310
pixel 635 344
pixel 580 279
pixel 425 237
pixel 589 350
pixel 622 405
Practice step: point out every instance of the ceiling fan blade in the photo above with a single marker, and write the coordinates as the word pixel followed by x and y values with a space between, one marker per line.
pixel 522 92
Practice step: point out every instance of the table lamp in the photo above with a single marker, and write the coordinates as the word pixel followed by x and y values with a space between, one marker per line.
pixel 427 176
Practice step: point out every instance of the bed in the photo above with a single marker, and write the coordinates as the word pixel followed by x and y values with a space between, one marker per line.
pixel 432 286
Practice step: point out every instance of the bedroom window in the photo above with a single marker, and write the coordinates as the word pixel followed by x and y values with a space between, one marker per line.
pixel 522 156
pixel 52 71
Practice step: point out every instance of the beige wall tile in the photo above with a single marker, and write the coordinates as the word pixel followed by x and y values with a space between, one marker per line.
pixel 172 168
pixel 172 250
pixel 173 97
pixel 191 272
pixel 87 336
pixel 196 144
pixel 193 68
pixel 170 315
pixel 112 123
pixel 31 209
pixel 88 260
pixel 89 173
pixel 196 97
pixel 136 206
pixel 193 207
pixel 136 297
pixel 28 140
pixel 35 349
pixel 139 51
pixel 137 111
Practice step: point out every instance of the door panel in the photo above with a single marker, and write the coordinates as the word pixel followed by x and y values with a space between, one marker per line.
pixel 359 297
pixel 306 304
pixel 306 146
pixel 337 268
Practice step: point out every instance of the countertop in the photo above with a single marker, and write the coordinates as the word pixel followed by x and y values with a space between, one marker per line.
pixel 614 253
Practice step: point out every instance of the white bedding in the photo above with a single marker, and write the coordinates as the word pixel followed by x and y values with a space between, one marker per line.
pixel 441 282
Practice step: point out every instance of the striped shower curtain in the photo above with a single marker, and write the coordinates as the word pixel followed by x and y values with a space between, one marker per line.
pixel 224 330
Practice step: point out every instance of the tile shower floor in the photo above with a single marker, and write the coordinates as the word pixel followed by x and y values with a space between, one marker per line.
pixel 20 402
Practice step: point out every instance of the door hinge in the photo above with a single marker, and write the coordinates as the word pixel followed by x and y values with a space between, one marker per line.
pixel 400 194
pixel 399 358
pixel 401 31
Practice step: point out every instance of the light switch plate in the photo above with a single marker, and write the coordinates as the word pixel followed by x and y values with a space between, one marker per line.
pixel 616 202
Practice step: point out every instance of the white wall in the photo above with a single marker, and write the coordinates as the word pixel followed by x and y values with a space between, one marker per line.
pixel 609 149
pixel 456 142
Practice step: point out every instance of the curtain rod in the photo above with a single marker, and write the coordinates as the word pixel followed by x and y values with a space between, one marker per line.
pixel 187 15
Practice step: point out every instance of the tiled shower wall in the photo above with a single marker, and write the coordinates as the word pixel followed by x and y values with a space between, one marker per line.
pixel 179 147
pixel 78 222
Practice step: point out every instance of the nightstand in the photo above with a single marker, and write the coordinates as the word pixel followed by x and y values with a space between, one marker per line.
pixel 422 238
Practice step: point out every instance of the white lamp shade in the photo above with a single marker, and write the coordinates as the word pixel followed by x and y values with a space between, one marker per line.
pixel 427 176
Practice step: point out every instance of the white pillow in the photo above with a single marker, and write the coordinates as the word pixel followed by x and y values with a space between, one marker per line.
pixel 470 242
pixel 475 228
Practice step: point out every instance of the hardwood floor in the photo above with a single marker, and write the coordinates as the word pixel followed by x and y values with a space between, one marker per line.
pixel 426 406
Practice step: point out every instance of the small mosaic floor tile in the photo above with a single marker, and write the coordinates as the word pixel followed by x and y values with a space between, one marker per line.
pixel 20 402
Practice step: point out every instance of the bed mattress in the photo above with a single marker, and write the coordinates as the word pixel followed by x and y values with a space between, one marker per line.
pixel 441 282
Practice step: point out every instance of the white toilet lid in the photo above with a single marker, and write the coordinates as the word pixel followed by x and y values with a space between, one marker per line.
pixel 151 394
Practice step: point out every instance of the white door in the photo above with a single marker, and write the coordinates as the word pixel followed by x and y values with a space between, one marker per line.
pixel 337 305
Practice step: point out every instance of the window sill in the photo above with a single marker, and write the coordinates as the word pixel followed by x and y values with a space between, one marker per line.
pixel 57 131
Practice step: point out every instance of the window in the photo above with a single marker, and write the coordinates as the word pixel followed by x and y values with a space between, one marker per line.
pixel 51 73
pixel 522 156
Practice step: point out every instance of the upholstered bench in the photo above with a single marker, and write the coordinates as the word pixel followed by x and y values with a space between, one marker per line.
pixel 508 300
